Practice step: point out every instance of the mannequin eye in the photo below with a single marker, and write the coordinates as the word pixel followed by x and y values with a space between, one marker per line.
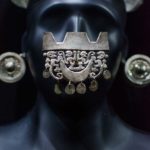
pixel 102 18
pixel 55 16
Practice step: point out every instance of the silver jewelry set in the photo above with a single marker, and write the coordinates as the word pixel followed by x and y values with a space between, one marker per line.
pixel 78 61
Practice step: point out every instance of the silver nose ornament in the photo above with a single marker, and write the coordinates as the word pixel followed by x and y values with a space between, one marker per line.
pixel 76 60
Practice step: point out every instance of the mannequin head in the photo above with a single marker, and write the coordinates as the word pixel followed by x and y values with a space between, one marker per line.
pixel 61 16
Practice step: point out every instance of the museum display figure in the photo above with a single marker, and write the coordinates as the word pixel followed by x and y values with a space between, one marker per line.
pixel 77 121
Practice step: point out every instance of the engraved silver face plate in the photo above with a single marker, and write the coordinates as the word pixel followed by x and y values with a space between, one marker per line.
pixel 137 69
pixel 76 58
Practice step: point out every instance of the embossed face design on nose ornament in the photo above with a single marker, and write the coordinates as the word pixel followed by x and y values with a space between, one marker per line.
pixel 76 59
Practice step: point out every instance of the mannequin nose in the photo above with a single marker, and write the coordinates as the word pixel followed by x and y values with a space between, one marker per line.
pixel 77 23
pixel 72 24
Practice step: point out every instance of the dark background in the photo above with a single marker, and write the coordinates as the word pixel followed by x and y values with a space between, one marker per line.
pixel 132 104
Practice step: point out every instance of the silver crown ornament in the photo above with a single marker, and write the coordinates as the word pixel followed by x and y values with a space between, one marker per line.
pixel 76 59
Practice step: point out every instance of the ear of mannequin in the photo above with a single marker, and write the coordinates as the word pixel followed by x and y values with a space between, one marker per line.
pixel 76 122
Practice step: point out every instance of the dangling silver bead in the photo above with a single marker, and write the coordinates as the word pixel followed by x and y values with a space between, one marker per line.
pixel 46 74
pixel 70 89
pixel 107 75
pixel 137 70
pixel 93 86
pixel 57 89
pixel 12 67
pixel 81 88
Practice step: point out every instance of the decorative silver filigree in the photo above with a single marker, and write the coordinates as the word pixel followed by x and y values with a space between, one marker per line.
pixel 76 58
pixel 75 66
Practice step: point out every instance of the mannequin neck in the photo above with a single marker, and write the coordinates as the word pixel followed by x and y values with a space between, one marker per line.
pixel 73 110
pixel 93 130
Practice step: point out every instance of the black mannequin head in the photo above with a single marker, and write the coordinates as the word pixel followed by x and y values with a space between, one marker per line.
pixel 61 16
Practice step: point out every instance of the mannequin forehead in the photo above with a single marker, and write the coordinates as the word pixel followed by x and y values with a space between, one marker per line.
pixel 113 8
pixel 51 3
pixel 106 4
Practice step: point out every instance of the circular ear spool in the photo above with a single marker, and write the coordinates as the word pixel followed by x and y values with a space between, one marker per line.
pixel 137 70
pixel 12 67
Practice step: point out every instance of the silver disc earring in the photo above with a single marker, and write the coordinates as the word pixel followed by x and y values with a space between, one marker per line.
pixel 137 70
pixel 12 67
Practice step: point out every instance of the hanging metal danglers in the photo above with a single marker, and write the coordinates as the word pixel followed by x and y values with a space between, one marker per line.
pixel 76 59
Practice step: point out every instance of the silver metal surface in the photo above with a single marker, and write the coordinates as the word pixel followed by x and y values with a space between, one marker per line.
pixel 132 5
pixel 93 86
pixel 137 70
pixel 70 89
pixel 12 67
pixel 107 74
pixel 21 3
pixel 57 89
pixel 81 88
pixel 76 58
pixel 76 41
pixel 46 74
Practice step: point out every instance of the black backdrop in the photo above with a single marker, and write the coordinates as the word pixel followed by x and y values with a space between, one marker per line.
pixel 130 103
